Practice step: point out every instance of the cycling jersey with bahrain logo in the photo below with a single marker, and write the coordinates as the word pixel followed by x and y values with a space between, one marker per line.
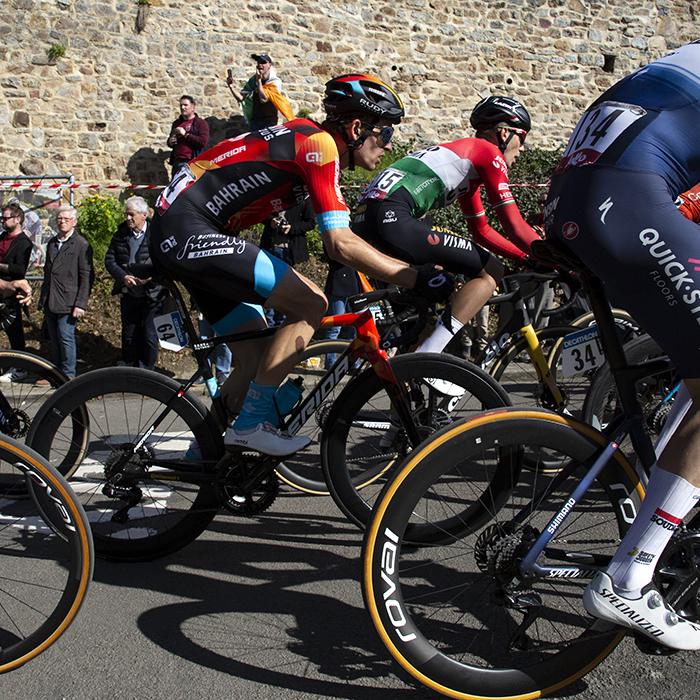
pixel 229 187
pixel 437 176
pixel 240 181
pixel 612 199
pixel 688 204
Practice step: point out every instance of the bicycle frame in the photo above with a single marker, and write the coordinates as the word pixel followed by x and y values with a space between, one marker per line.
pixel 630 423
pixel 365 343
pixel 520 323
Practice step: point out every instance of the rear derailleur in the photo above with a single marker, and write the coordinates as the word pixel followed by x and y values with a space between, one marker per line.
pixel 499 551
pixel 123 470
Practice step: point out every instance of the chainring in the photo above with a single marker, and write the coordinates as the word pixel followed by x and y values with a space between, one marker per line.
pixel 677 574
pixel 232 496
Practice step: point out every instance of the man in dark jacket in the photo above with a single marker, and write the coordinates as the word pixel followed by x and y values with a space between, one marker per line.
pixel 68 275
pixel 188 135
pixel 141 299
pixel 284 235
pixel 15 251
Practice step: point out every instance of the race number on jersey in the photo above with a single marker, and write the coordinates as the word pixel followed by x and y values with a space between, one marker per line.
pixel 597 129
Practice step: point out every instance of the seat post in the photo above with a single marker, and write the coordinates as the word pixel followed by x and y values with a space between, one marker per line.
pixel 612 345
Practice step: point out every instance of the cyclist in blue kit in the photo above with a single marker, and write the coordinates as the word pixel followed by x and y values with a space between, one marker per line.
pixel 612 202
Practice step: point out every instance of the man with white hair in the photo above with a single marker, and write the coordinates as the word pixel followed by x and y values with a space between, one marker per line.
pixel 68 275
pixel 140 299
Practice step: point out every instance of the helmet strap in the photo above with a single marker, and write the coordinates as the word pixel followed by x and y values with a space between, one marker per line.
pixel 502 145
pixel 354 144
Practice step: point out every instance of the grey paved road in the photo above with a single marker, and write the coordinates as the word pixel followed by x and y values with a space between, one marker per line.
pixel 265 609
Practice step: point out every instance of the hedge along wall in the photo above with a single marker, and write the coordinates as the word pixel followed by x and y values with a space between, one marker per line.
pixel 103 109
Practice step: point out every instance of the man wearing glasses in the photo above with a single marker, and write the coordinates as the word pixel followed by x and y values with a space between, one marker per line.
pixel 15 251
pixel 68 275
pixel 392 209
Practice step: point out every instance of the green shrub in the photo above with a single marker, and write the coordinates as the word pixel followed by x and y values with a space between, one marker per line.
pixel 98 218
pixel 56 51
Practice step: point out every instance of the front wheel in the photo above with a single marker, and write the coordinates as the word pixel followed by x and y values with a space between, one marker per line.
pixel 363 440
pixel 456 614
pixel 136 512
pixel 45 570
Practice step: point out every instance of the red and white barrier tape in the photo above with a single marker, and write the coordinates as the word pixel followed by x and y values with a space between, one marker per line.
pixel 58 186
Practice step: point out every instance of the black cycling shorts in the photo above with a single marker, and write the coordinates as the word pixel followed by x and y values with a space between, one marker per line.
pixel 626 228
pixel 229 278
pixel 389 226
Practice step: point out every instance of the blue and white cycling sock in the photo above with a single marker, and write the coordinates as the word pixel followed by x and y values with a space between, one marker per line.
pixel 256 406
pixel 439 338
pixel 668 499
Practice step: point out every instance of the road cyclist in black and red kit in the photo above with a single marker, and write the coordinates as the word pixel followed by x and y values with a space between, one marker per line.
pixel 239 183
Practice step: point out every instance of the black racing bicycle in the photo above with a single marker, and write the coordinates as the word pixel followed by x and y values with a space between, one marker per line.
pixel 148 461
pixel 479 551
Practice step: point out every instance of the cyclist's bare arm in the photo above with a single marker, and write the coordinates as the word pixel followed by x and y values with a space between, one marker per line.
pixel 349 249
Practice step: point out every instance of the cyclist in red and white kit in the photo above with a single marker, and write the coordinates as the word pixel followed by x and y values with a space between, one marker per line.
pixel 240 182
pixel 392 208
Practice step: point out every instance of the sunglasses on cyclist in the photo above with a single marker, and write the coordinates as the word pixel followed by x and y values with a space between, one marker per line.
pixel 385 133
pixel 520 133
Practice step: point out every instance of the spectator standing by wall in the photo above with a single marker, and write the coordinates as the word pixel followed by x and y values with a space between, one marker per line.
pixel 68 275
pixel 140 299
pixel 284 235
pixel 15 251
pixel 261 96
pixel 342 282
pixel 189 135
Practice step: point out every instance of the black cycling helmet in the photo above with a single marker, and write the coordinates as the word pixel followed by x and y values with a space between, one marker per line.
pixel 500 110
pixel 355 93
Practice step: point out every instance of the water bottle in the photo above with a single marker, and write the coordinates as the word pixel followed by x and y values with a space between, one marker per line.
pixel 285 399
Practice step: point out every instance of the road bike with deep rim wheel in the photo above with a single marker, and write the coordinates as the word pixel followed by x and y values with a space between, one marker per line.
pixel 477 557
pixel 155 472
pixel 46 554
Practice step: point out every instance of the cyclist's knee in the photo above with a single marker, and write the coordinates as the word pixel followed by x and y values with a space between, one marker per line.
pixel 493 270
pixel 299 299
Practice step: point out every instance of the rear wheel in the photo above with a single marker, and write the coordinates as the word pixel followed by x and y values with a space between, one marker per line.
pixel 134 514
pixel 456 614
pixel 26 381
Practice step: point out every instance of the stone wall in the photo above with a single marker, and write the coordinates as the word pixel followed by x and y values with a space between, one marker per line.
pixel 103 110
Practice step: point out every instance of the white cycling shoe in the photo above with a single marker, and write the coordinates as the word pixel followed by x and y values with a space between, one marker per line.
pixel 267 439
pixel 648 614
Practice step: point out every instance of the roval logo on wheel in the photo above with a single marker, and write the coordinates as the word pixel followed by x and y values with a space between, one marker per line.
pixel 569 230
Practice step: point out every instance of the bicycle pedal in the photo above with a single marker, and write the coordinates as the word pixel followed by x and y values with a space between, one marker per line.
pixel 652 648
